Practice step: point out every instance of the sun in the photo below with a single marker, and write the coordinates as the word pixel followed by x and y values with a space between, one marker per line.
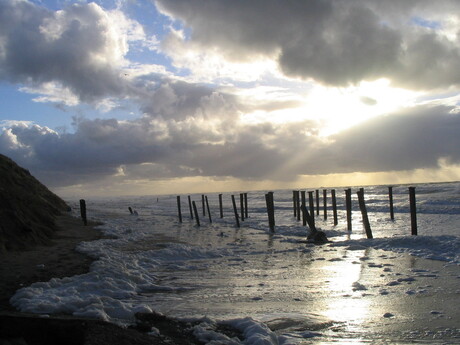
pixel 333 109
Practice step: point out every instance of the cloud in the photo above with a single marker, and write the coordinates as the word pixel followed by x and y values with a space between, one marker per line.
pixel 175 99
pixel 154 148
pixel 414 138
pixel 335 43
pixel 81 48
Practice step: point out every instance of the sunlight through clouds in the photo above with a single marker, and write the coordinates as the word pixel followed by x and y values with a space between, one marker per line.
pixel 248 91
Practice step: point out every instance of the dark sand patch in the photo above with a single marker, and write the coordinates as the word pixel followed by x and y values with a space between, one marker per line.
pixel 57 259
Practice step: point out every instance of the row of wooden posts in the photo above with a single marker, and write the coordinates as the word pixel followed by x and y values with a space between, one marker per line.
pixel 299 206
pixel 301 210
pixel 205 206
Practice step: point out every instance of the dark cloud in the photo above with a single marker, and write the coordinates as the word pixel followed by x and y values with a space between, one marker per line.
pixel 152 149
pixel 415 138
pixel 334 42
pixel 180 100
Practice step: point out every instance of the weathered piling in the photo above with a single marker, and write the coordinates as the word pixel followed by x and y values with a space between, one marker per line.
pixel 362 206
pixel 303 202
pixel 203 205
pixel 195 210
pixel 294 203
pixel 390 196
pixel 221 209
pixel 317 201
pixel 325 203
pixel 299 211
pixel 334 206
pixel 235 210
pixel 190 206
pixel 209 211
pixel 246 212
pixel 179 209
pixel 348 208
pixel 311 205
pixel 309 218
pixel 270 210
pixel 413 211
pixel 242 206
pixel 83 211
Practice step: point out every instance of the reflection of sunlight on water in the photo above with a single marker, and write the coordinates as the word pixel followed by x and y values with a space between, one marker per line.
pixel 346 303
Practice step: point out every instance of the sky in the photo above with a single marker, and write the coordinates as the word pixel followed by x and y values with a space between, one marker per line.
pixel 131 97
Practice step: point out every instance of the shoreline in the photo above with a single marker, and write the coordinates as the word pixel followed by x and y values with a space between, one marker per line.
pixel 59 259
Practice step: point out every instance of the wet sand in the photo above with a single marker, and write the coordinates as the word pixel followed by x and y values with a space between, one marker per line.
pixel 60 259
pixel 43 262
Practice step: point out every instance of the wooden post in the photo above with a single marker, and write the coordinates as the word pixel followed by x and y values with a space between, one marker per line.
pixel 348 207
pixel 246 212
pixel 297 198
pixel 325 203
pixel 179 209
pixel 242 206
pixel 209 211
pixel 130 210
pixel 362 206
pixel 190 207
pixel 309 218
pixel 304 202
pixel 311 205
pixel 413 212
pixel 267 202
pixel 317 202
pixel 294 203
pixel 235 210
pixel 334 206
pixel 195 210
pixel 83 211
pixel 390 196
pixel 270 210
pixel 203 205
pixel 220 206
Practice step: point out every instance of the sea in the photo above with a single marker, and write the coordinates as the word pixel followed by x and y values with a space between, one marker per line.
pixel 274 285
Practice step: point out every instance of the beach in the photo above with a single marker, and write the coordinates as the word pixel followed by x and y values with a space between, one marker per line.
pixel 59 259
pixel 218 282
